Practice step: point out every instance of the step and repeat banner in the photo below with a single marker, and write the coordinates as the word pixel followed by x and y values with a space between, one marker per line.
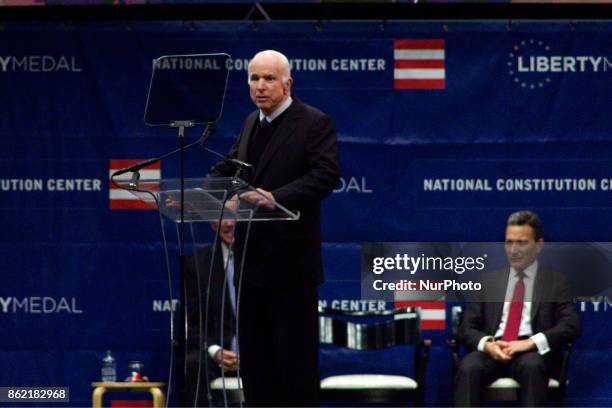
pixel 444 130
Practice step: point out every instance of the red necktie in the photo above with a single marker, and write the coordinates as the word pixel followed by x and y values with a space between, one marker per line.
pixel 516 311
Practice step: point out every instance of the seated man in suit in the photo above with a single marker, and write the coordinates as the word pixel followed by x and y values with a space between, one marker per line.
pixel 521 337
pixel 221 351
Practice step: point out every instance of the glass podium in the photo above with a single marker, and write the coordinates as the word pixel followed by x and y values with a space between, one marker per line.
pixel 208 202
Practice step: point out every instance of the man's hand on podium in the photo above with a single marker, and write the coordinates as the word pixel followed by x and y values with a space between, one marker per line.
pixel 172 202
pixel 253 197
pixel 175 203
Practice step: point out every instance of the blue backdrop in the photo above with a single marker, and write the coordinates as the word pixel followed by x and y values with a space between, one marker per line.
pixel 414 104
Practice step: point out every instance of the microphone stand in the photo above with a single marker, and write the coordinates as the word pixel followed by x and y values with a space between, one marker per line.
pixel 208 131
pixel 178 342
pixel 181 345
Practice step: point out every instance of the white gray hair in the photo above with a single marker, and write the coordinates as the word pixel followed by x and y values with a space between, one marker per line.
pixel 285 65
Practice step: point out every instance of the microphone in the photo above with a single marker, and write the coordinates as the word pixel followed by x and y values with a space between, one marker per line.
pixel 135 167
pixel 239 163
pixel 228 159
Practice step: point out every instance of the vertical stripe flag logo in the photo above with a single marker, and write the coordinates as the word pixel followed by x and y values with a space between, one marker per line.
pixel 124 200
pixel 419 64
pixel 431 302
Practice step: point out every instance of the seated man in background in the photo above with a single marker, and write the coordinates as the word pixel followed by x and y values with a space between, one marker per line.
pixel 220 352
pixel 521 337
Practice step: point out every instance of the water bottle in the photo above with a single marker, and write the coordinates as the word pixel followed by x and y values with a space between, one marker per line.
pixel 109 368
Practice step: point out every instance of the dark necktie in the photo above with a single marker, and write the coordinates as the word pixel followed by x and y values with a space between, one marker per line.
pixel 259 141
pixel 262 128
pixel 516 310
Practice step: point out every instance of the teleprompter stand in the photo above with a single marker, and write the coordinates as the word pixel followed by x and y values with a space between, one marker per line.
pixel 185 91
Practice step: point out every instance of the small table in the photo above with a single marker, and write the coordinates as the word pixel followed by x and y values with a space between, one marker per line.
pixel 155 388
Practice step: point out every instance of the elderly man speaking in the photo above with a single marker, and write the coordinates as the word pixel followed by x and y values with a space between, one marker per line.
pixel 292 147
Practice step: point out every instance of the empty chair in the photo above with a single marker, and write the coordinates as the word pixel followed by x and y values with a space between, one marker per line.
pixel 375 330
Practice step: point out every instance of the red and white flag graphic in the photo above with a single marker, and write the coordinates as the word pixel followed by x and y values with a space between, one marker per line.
pixel 124 200
pixel 433 314
pixel 431 302
pixel 419 64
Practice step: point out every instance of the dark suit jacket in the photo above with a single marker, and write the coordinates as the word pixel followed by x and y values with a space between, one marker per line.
pixel 552 311
pixel 196 264
pixel 300 167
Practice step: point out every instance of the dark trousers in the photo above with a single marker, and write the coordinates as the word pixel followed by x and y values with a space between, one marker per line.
pixel 279 345
pixel 477 370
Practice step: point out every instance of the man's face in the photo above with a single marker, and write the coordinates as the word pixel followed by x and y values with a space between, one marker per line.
pixel 521 247
pixel 226 232
pixel 266 85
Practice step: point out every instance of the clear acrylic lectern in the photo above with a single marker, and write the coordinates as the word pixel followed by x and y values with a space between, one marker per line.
pixel 207 201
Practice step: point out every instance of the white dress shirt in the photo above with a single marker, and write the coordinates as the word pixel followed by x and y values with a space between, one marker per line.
pixel 283 107
pixel 525 328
